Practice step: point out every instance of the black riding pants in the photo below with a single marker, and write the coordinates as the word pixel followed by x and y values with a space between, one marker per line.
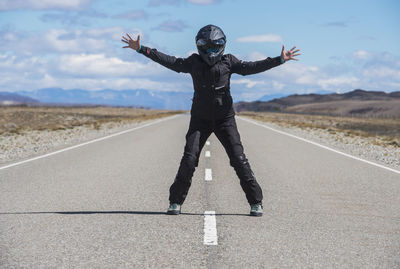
pixel 227 133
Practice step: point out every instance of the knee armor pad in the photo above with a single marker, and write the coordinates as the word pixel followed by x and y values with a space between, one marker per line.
pixel 238 160
pixel 242 167
pixel 187 167
pixel 189 160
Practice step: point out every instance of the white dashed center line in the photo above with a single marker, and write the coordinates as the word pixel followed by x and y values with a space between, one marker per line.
pixel 210 228
pixel 210 222
pixel 208 176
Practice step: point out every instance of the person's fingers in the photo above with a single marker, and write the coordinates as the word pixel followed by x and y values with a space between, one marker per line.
pixel 125 47
pixel 129 36
pixel 125 41
pixel 293 48
pixel 295 59
pixel 283 48
pixel 297 54
pixel 125 38
pixel 296 51
pixel 138 38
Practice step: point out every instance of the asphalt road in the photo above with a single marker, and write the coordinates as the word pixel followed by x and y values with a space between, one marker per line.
pixel 102 205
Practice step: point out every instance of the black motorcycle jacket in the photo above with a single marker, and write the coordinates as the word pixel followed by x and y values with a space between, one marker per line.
pixel 212 98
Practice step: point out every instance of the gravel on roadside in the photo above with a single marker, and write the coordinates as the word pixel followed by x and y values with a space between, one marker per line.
pixel 367 148
pixel 15 147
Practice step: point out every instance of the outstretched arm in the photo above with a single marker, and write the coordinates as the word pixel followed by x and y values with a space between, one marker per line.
pixel 248 68
pixel 171 62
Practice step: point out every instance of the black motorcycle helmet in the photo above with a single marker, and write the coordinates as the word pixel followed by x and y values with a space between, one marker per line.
pixel 210 42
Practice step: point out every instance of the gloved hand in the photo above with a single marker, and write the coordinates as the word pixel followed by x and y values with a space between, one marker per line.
pixel 289 55
pixel 133 44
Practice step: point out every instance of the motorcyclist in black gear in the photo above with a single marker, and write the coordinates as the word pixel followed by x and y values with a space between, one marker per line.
pixel 212 110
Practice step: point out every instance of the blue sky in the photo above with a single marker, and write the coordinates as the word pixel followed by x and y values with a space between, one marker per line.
pixel 76 44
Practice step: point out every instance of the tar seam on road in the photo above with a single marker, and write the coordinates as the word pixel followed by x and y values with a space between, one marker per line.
pixel 322 146
pixel 210 228
pixel 88 142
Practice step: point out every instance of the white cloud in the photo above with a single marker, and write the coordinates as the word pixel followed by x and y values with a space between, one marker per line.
pixel 260 38
pixel 107 32
pixel 49 81
pixel 94 40
pixel 84 71
pixel 382 72
pixel 154 3
pixel 138 14
pixel 171 26
pixel 72 41
pixel 361 54
pixel 295 72
pixel 378 72
pixel 28 66
pixel 256 56
pixel 338 82
pixel 295 75
pixel 277 85
pixel 116 84
pixel 202 2
pixel 178 2
pixel 88 59
pixel 43 4
pixel 72 18
pixel 99 65
pixel 247 96
pixel 249 83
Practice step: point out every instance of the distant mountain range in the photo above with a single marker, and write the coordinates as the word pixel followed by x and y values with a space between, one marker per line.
pixel 269 97
pixel 350 103
pixel 8 98
pixel 136 98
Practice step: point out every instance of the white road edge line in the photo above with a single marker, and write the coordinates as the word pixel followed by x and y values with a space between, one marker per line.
pixel 208 153
pixel 88 142
pixel 208 175
pixel 322 146
pixel 210 228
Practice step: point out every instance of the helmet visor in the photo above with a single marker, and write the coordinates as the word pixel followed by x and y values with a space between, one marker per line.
pixel 201 42
pixel 211 43
pixel 219 42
